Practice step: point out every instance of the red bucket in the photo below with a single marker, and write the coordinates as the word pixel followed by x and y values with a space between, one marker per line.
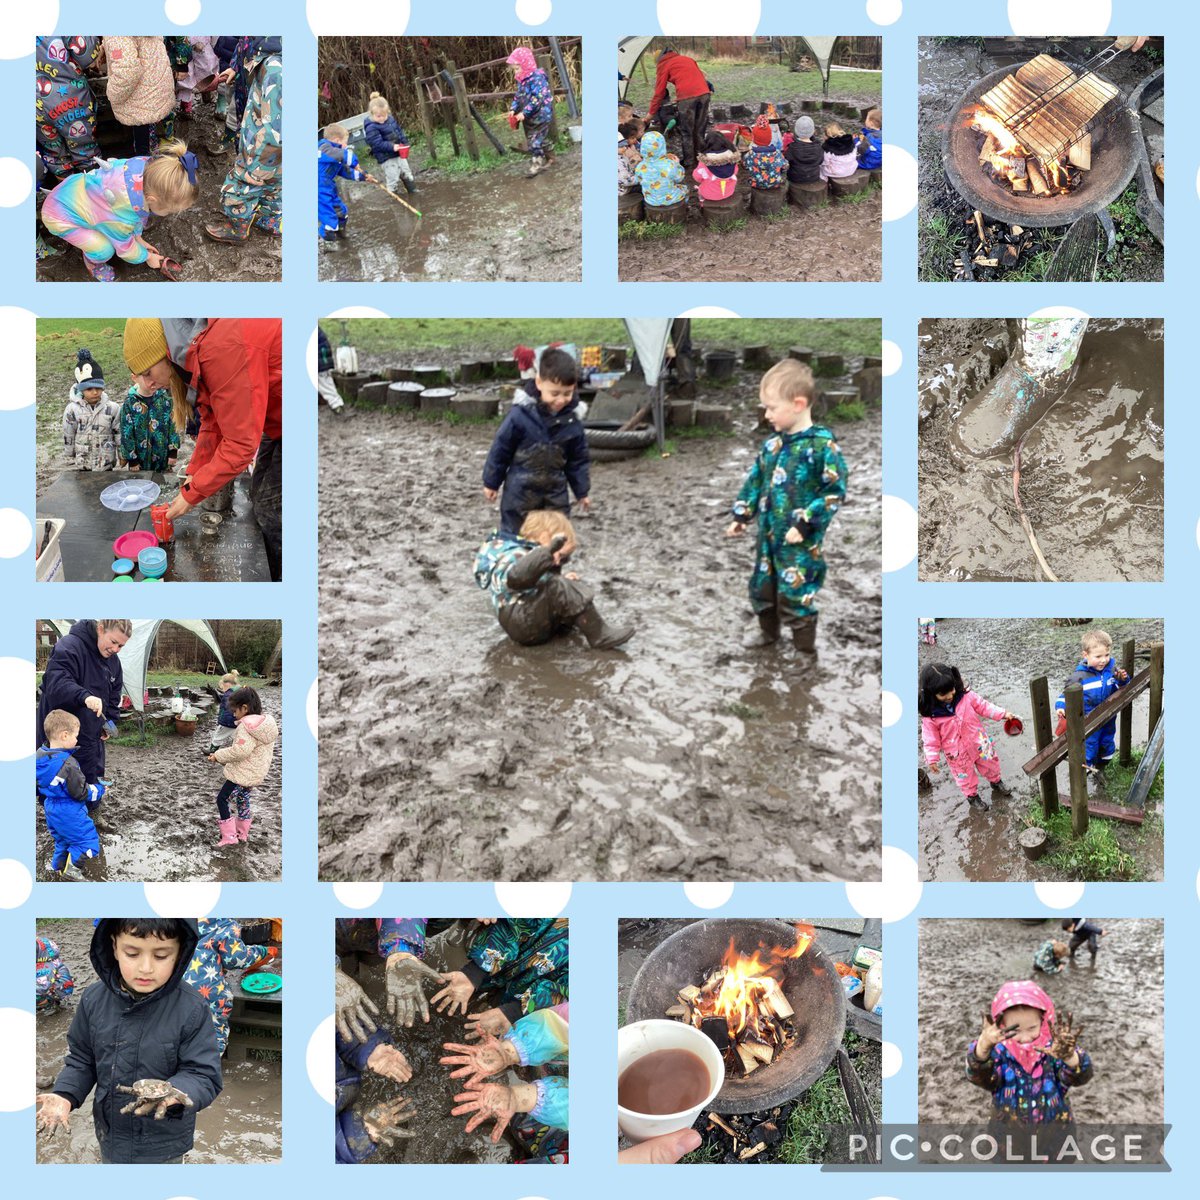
pixel 404 151
pixel 1013 726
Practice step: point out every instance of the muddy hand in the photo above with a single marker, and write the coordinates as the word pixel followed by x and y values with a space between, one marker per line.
pixel 992 1034
pixel 53 1113
pixel 490 1022
pixel 479 1062
pixel 1064 1037
pixel 455 995
pixel 353 1008
pixel 383 1121
pixel 145 1103
pixel 492 1102
pixel 390 1062
pixel 405 993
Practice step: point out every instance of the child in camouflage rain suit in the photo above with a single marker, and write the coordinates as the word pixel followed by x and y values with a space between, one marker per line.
pixel 65 114
pixel 149 439
pixel 793 491
pixel 252 192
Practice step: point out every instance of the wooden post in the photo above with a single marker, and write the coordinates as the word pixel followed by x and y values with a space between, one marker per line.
pixel 547 64
pixel 1077 758
pixel 426 121
pixel 1125 724
pixel 1043 735
pixel 1156 685
pixel 464 113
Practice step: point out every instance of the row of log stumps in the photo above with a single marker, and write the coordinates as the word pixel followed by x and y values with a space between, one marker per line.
pixel 720 113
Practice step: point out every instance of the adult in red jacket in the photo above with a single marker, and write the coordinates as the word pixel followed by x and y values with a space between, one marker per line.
pixel 228 371
pixel 691 99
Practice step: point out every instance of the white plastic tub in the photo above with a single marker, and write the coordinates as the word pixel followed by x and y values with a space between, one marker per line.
pixel 50 562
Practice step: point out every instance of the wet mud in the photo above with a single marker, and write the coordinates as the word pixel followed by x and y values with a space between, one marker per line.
pixel 1120 1001
pixel 181 236
pixel 161 813
pixel 840 242
pixel 1091 469
pixel 998 658
pixel 449 752
pixel 243 1125
pixel 498 225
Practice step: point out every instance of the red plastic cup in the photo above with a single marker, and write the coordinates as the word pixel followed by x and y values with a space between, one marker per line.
pixel 1013 726
pixel 164 527
pixel 404 151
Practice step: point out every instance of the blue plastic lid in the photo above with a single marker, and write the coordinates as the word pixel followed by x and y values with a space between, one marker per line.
pixel 122 566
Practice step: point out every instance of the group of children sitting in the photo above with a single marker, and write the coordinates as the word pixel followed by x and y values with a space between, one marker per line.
pixel 769 159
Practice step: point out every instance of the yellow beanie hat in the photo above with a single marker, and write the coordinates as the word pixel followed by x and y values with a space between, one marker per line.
pixel 145 343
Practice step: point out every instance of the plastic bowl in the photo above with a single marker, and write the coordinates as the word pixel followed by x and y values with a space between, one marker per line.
pixel 129 545
pixel 1013 726
pixel 122 566
pixel 152 579
pixel 152 562
pixel 122 579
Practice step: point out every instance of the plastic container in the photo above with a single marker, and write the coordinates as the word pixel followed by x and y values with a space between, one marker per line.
pixel 644 1037
pixel 152 562
pixel 152 579
pixel 122 579
pixel 164 527
pixel 49 566
pixel 403 151
pixel 122 566
pixel 1013 726
pixel 130 545
pixel 576 132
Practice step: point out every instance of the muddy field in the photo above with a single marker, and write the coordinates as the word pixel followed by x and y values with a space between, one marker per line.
pixel 243 1125
pixel 963 964
pixel 497 225
pixel 181 236
pixel 1091 470
pixel 998 658
pixel 161 814
pixel 449 752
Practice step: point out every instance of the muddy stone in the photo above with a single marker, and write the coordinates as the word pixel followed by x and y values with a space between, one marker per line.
pixel 1091 469
pixel 243 1124
pixel 163 812
pixel 962 965
pixel 448 752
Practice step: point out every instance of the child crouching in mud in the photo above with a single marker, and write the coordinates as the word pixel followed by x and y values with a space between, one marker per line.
pixel 533 598
pixel 1028 1060
pixel 793 491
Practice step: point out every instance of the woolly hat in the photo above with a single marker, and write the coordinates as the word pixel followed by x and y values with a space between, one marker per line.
pixel 804 127
pixel 761 135
pixel 145 343
pixel 87 371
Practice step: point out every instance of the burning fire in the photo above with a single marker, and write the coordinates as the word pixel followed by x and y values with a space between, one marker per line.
pixel 747 979
pixel 1007 143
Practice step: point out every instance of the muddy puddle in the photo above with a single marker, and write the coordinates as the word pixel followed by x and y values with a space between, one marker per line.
pixel 495 225
pixel 963 964
pixel 161 814
pixel 998 658
pixel 449 752
pixel 181 236
pixel 243 1125
pixel 1091 469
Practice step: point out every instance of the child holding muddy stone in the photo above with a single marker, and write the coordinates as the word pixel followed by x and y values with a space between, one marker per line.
pixel 791 493
pixel 246 763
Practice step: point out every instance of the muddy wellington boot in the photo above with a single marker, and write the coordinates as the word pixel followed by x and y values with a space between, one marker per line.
pixel 242 828
pixel 228 230
pixel 1000 788
pixel 804 634
pixel 978 802
pixel 601 635
pixel 228 832
pixel 767 633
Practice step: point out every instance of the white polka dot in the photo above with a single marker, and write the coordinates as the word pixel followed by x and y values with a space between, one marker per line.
pixel 22 22
pixel 358 17
pixel 17 1035
pixel 534 12
pixel 18 348
pixel 708 895
pixel 18 686
pixel 899 533
pixel 310 708
pixel 899 182
pixel 1059 18
pixel 310 358
pixel 893 357
pixel 709 18
pixel 182 899
pixel 1059 311
pixel 708 310
pixel 893 709
pixel 533 899
pixel 15 883
pixel 358 895
pixel 16 182
pixel 15 532
pixel 896 896
pixel 357 310
pixel 182 12
pixel 893 1059
pixel 319 1058
pixel 885 12
pixel 1059 895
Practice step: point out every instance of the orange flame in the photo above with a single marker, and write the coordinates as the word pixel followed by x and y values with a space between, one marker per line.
pixel 1008 144
pixel 743 985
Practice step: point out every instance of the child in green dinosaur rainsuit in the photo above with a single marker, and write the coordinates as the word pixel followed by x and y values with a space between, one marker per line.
pixel 149 439
pixel 792 492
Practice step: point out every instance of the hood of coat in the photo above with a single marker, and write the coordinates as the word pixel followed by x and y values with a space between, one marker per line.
pixel 88 634
pixel 180 332
pixel 654 145
pixel 104 961
pixel 499 547
pixel 530 398
pixel 840 145
pixel 261 727
pixel 49 763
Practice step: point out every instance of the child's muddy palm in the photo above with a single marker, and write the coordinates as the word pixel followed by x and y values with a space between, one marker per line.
pixel 351 1005
pixel 992 1034
pixel 455 995
pixel 478 1062
pixel 53 1113
pixel 384 1121
pixel 1064 1037
pixel 152 1098
pixel 491 1022
pixel 491 1102
pixel 389 1062
pixel 405 991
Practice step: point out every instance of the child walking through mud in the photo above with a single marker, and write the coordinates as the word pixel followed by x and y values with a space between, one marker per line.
pixel 1100 678
pixel 793 491
pixel 335 160
pixel 67 798
pixel 246 763
pixel 532 107
pixel 952 725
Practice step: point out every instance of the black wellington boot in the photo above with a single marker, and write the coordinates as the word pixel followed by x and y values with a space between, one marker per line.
pixel 601 635
pixel 804 634
pixel 767 633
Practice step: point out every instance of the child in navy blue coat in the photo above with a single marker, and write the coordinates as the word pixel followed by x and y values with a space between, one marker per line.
pixel 540 450
pixel 389 144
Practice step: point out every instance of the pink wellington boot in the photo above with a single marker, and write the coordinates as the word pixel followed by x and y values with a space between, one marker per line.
pixel 228 836
pixel 243 828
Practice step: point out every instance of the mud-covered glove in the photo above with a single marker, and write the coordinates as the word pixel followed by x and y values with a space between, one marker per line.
pixel 405 993
pixel 53 1113
pixel 353 1008
pixel 143 1105
pixel 382 1121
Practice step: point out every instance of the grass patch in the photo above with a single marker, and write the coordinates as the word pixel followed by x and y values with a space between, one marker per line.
pixel 709 1152
pixel 648 231
pixel 134 739
pixel 192 679
pixel 847 410
pixel 669 447
pixel 1118 779
pixel 744 712
pixel 1097 857
pixel 806 1138
pixel 704 431
pixel 731 226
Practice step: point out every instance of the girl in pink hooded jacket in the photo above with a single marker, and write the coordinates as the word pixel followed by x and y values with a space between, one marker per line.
pixel 246 763
pixel 952 724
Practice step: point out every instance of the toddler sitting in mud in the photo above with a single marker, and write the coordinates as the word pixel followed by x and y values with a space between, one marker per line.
pixel 1050 956
pixel 1100 678
pixel 68 799
pixel 532 597
pixel 952 724
pixel 792 493
pixel 246 763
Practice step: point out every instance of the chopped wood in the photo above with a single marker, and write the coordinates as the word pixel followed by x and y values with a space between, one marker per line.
pixel 1020 184
pixel 1037 181
pixel 985 262
pixel 1016 230
pixel 716 1119
pixel 988 151
pixel 679 1010
pixel 977 217
pixel 775 1001
pixel 747 1058
pixel 689 995
pixel 1009 255
pixel 1080 154
pixel 764 1054
pixel 751 1151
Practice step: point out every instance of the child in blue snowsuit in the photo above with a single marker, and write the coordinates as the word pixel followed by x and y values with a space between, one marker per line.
pixel 870 142
pixel 1100 678
pixel 335 160
pixel 540 449
pixel 68 797
pixel 387 140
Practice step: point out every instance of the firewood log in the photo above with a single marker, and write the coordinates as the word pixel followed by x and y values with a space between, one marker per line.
pixel 1080 154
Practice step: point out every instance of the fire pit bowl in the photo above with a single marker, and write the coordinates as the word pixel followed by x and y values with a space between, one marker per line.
pixel 1115 152
pixel 810 984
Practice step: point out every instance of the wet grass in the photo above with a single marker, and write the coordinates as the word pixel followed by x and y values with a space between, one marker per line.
pixel 708 1152
pixel 136 740
pixel 648 231
pixel 848 410
pixel 1097 857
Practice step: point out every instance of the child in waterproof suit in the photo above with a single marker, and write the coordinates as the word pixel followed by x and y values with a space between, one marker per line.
pixel 221 946
pixel 67 797
pixel 1029 1061
pixel 532 597
pixel 540 450
pixel 716 175
pixel 389 144
pixel 1100 678
pixel 138 1022
pixel 658 173
pixel 149 439
pixel 91 421
pixel 226 721
pixel 532 106
pixel 792 493
pixel 335 160
pixel 246 763
pixel 764 161
pixel 53 981
pixel 952 724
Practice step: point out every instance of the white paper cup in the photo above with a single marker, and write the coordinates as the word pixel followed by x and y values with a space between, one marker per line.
pixel 644 1037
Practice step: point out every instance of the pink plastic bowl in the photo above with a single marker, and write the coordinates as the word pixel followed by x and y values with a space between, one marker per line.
pixel 128 545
